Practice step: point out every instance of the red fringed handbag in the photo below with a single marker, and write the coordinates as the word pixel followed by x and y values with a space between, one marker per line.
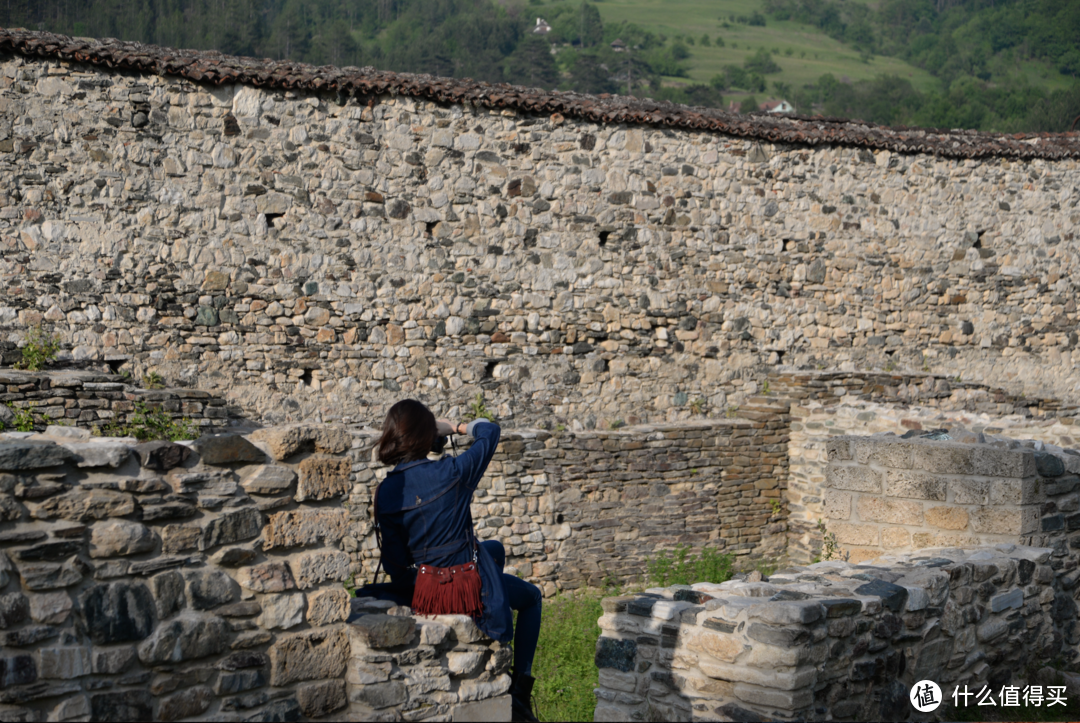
pixel 441 590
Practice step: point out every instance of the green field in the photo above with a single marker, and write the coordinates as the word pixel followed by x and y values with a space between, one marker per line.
pixel 812 52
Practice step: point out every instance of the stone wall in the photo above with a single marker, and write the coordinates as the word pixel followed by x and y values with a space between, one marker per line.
pixel 886 493
pixel 204 580
pixel 836 641
pixel 94 399
pixel 315 256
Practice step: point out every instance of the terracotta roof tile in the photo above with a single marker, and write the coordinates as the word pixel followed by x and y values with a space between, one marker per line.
pixel 215 68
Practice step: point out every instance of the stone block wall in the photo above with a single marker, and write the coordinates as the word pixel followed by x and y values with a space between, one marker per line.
pixel 95 399
pixel 836 641
pixel 884 493
pixel 314 256
pixel 205 581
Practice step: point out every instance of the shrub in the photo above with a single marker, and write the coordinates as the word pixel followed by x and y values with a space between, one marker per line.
pixel 150 424
pixel 679 567
pixel 38 350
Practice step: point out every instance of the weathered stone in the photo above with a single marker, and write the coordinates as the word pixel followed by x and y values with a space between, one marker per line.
pixel 232 526
pixel 233 557
pixel 251 639
pixel 77 707
pixel 892 596
pixel 99 454
pixel 381 695
pixel 323 698
pixel 28 635
pixel 209 588
pixel 947 518
pixel 162 456
pixel 120 537
pixel 1049 465
pixel 10 509
pixel 327 606
pixel 232 683
pixel 17 670
pixel 14 608
pixel 187 703
pixel 64 663
pixel 239 661
pixel 52 608
pixel 306 526
pixel 310 655
pixel 30 454
pixel 244 609
pixel 288 440
pixel 282 610
pixel 315 567
pixel 267 577
pixel 227 449
pixel 84 505
pixel 49 575
pixel 268 480
pixel 383 631
pixel 122 706
pixel 278 711
pixel 323 477
pixel 112 661
pixel 187 637
pixel 177 538
pixel 54 550
pixel 615 653
pixel 118 612
pixel 478 689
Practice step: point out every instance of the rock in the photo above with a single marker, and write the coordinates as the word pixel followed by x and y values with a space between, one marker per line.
pixel 306 526
pixel 120 537
pixel 328 606
pixel 233 557
pixel 227 449
pixel 381 695
pixel 7 417
pixel 285 441
pixel 268 480
pixel 209 588
pixel 14 608
pixel 251 639
pixel 6 568
pixel 232 683
pixel 310 655
pixel 176 538
pixel 465 663
pixel 188 703
pixel 1049 465
pixel 30 454
pixel 230 527
pixel 83 505
pixel 245 609
pixel 162 456
pixel 892 596
pixel 282 710
pixel 99 454
pixel 315 567
pixel 30 635
pixel 323 477
pixel 52 608
pixel 64 663
pixel 127 705
pixel 383 631
pixel 323 698
pixel 483 689
pixel 267 577
pixel 175 508
pixel 187 637
pixel 53 550
pixel 216 281
pixel 111 661
pixel 615 653
pixel 76 707
pixel 17 670
pixel 49 575
pixel 239 661
pixel 281 611
pixel 118 612
pixel 10 509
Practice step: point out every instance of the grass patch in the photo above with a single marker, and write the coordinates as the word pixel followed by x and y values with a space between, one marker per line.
pixel 564 668
pixel 679 567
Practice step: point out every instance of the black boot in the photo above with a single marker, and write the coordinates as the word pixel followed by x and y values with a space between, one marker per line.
pixel 521 698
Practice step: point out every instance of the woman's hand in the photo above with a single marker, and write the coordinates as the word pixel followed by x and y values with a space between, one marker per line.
pixel 444 428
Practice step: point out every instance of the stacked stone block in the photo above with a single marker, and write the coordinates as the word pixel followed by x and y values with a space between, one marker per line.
pixel 836 641
pixel 93 399
pixel 887 493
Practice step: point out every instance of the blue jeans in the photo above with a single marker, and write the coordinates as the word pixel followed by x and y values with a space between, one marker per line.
pixel 527 600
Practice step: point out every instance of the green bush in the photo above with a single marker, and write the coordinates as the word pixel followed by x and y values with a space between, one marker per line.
pixel 150 424
pixel 24 419
pixel 38 350
pixel 565 669
pixel 679 567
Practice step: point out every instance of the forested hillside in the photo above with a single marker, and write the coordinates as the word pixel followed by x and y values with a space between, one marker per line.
pixel 1008 65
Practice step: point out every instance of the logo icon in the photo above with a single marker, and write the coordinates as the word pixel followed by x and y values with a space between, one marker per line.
pixel 925 696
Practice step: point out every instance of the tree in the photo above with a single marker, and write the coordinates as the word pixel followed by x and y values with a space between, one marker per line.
pixel 589 75
pixel 532 64
pixel 762 63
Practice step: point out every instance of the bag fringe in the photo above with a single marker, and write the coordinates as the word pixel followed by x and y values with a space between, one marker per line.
pixel 447 591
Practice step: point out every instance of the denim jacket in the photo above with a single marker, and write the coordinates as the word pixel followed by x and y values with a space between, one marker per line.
pixel 425 517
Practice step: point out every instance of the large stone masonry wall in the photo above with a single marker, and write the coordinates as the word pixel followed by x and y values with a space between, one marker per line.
pixel 204 581
pixel 316 257
pixel 885 493
pixel 836 641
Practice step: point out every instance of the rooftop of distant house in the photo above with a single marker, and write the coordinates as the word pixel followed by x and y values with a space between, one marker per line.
pixel 214 68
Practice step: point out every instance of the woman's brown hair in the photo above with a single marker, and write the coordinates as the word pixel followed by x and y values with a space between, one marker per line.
pixel 407 434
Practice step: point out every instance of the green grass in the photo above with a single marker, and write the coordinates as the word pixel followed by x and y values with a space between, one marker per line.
pixel 564 668
pixel 694 17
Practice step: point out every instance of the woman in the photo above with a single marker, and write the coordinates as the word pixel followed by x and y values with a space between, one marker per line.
pixel 423 515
